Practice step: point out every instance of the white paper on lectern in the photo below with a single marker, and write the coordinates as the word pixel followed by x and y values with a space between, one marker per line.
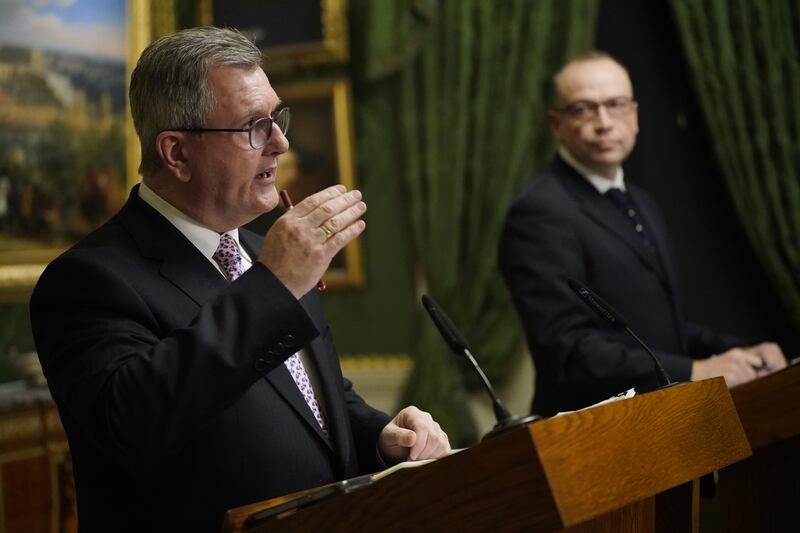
pixel 630 393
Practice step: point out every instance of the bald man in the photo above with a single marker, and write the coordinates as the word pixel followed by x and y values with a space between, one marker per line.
pixel 581 219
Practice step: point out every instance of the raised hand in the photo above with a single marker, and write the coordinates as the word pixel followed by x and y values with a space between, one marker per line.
pixel 300 245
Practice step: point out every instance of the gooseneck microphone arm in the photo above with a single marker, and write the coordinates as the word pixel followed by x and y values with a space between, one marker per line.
pixel 607 313
pixel 458 344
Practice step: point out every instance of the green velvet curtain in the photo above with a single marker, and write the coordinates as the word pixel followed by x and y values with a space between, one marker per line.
pixel 745 58
pixel 468 83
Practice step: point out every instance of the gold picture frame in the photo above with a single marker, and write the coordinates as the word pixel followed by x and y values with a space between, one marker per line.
pixel 305 32
pixel 25 253
pixel 320 155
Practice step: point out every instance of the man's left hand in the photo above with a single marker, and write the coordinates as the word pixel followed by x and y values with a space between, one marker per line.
pixel 413 435
pixel 771 355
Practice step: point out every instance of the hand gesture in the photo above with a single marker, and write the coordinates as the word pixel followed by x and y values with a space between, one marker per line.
pixel 300 245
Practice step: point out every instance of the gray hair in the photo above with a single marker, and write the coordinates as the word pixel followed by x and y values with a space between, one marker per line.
pixel 169 86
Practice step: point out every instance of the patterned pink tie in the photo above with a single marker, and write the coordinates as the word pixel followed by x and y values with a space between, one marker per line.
pixel 300 376
pixel 230 261
pixel 228 258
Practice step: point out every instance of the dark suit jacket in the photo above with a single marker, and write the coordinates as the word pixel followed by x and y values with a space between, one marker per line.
pixel 561 227
pixel 170 383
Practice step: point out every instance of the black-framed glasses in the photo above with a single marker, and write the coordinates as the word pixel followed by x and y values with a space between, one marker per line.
pixel 258 133
pixel 585 110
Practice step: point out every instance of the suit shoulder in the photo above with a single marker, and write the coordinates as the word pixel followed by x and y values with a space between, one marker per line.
pixel 106 243
pixel 544 193
pixel 108 248
pixel 103 240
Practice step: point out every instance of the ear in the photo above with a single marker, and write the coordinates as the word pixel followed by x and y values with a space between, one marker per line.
pixel 554 121
pixel 171 148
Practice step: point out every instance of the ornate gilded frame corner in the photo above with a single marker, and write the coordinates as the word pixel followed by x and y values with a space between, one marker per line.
pixel 334 47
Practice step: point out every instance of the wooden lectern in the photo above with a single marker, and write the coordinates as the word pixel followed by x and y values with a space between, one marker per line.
pixel 629 465
pixel 763 492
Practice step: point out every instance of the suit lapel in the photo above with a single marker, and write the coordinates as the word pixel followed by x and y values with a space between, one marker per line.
pixel 659 233
pixel 657 230
pixel 284 384
pixel 181 262
pixel 330 382
pixel 328 372
pixel 605 214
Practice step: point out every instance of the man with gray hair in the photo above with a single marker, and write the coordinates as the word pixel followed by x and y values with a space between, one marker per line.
pixel 191 363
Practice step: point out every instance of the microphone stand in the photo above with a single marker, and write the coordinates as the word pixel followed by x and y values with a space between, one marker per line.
pixel 604 310
pixel 458 344
pixel 505 421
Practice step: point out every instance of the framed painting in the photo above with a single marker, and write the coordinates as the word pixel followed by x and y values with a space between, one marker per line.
pixel 320 155
pixel 289 32
pixel 68 153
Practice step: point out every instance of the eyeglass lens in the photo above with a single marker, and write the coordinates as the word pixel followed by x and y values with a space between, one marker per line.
pixel 261 130
pixel 587 109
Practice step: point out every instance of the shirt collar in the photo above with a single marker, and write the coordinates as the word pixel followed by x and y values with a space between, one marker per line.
pixel 601 183
pixel 204 239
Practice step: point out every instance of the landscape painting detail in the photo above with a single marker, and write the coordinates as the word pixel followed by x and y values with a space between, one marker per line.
pixel 62 120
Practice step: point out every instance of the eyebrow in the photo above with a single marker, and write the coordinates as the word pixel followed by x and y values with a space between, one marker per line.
pixel 258 114
pixel 254 114
pixel 276 106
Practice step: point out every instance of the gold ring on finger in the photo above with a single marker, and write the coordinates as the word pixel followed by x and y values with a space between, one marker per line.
pixel 327 231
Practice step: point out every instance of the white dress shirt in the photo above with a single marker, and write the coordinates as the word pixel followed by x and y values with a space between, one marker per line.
pixel 204 239
pixel 601 183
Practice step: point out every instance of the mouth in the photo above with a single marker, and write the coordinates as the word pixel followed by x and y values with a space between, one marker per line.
pixel 267 175
pixel 605 144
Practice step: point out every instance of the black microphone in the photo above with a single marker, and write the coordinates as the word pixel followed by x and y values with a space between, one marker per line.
pixel 459 345
pixel 607 313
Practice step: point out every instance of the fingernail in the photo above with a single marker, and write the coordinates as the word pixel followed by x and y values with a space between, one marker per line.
pixel 356 194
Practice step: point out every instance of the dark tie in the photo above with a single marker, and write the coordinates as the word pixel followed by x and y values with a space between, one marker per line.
pixel 624 203
pixel 229 260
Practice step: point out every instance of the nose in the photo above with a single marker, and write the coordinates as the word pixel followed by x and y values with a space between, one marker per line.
pixel 603 120
pixel 277 143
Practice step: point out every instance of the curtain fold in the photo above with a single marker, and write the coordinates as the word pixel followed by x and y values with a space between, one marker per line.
pixel 745 60
pixel 389 34
pixel 469 127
